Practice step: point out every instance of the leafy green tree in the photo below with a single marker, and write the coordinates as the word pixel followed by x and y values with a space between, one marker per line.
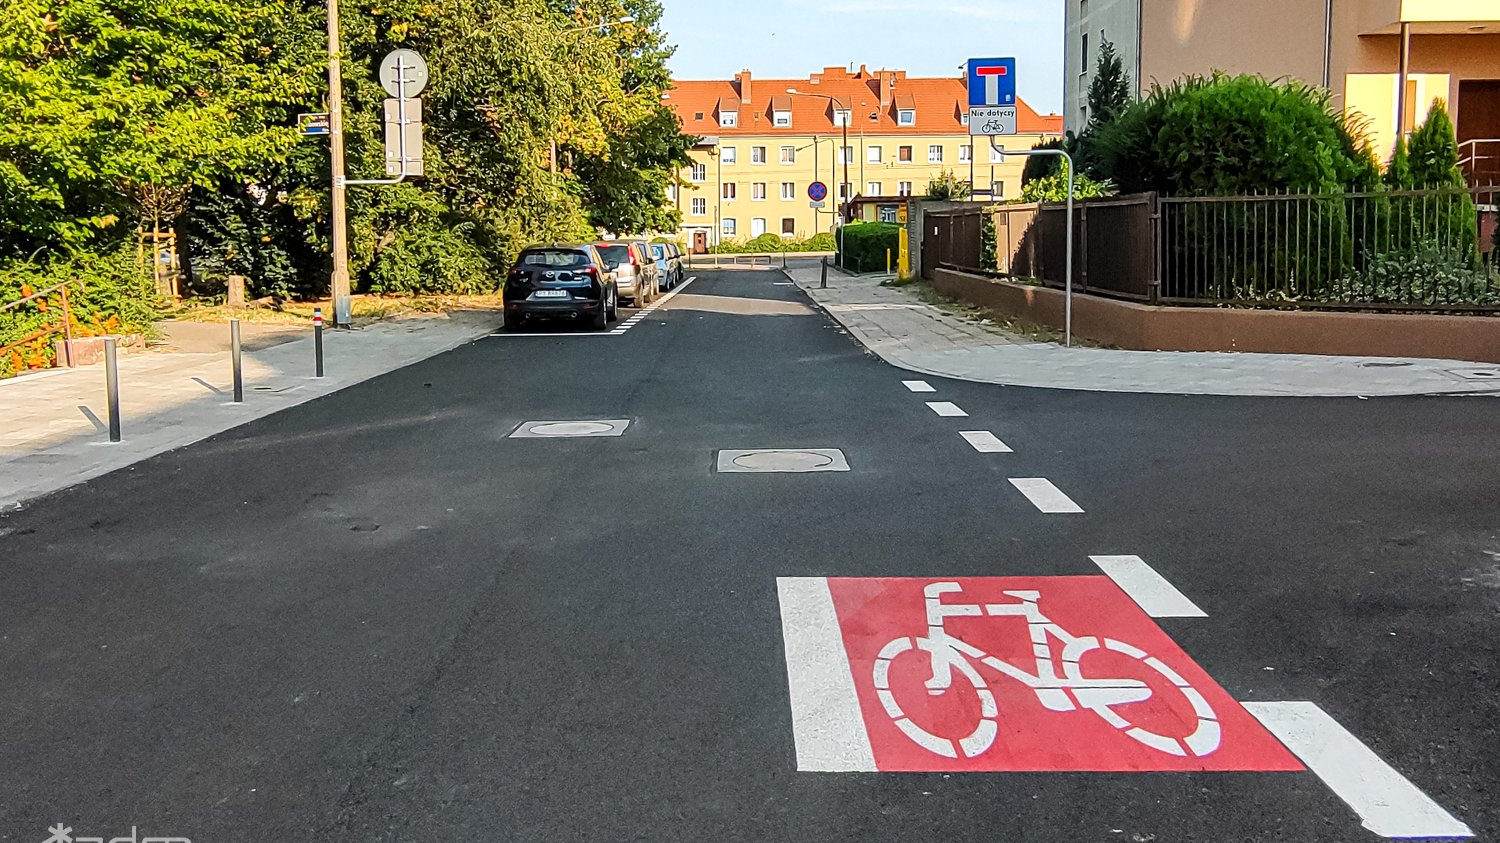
pixel 1434 151
pixel 948 187
pixel 1398 175
pixel 1054 187
pixel 1041 166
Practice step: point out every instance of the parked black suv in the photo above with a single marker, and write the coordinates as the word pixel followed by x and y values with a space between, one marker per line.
pixel 561 282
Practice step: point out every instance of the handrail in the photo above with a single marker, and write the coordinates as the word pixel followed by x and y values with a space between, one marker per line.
pixel 67 318
pixel 1474 152
pixel 41 294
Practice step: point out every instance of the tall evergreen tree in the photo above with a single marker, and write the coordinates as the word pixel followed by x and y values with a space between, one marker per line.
pixel 1434 151
pixel 1109 91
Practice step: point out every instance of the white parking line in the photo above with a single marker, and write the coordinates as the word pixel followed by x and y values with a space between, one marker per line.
pixel 919 386
pixel 1387 803
pixel 985 442
pixel 1045 496
pixel 1150 590
pixel 946 408
pixel 827 727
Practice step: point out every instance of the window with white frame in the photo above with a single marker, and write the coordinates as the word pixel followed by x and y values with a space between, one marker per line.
pixel 671 193
pixel 729 155
pixel 904 155
pixel 935 154
pixel 997 153
pixel 789 155
pixel 906 117
pixel 965 153
pixel 848 155
pixel 728 226
pixel 698 173
pixel 845 190
pixel 700 206
pixel 873 154
pixel 872 188
pixel 997 190
pixel 728 190
pixel 788 190
pixel 781 119
pixel 788 226
pixel 841 117
pixel 757 155
pixel 758 191
pixel 963 119
pixel 729 119
pixel 757 226
pixel 903 188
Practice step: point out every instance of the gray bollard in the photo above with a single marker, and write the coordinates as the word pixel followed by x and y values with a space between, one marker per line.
pixel 234 357
pixel 318 340
pixel 823 282
pixel 112 388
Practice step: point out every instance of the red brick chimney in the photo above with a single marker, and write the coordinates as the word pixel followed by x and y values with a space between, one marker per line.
pixel 887 82
pixel 742 81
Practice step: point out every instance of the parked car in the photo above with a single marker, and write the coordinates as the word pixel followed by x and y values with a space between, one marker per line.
pixel 571 282
pixel 676 265
pixel 664 268
pixel 635 270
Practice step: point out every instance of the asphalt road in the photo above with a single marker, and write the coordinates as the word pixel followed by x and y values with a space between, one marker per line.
pixel 376 617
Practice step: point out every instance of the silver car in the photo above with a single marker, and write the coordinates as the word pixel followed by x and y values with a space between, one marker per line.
pixel 634 268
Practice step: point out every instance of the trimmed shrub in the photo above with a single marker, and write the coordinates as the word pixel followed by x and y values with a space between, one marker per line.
pixel 865 245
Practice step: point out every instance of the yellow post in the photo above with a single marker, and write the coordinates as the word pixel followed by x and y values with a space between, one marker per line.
pixel 887 261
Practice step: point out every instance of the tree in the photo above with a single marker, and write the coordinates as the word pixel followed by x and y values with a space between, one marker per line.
pixel 1109 91
pixel 948 187
pixel 1398 174
pixel 1434 151
pixel 1041 166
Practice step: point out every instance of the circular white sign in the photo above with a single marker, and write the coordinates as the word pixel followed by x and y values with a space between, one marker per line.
pixel 403 66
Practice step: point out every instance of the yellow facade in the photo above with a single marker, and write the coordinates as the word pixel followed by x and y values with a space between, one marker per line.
pixel 750 185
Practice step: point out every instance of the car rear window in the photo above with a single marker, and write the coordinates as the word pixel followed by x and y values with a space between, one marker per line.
pixel 614 254
pixel 554 257
pixel 658 251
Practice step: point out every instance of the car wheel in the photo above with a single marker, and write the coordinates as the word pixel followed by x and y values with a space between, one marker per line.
pixel 513 323
pixel 601 319
pixel 614 305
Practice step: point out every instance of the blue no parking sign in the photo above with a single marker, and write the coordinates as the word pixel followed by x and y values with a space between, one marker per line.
pixel 817 191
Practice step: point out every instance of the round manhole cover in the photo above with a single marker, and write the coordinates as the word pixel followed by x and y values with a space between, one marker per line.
pixel 783 461
pixel 571 428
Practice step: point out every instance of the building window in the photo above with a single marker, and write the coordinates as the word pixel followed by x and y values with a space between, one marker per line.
pixel 781 119
pixel 1084 53
pixel 1083 114
pixel 757 155
pixel 788 226
pixel 729 190
pixel 872 154
pixel 904 155
pixel 997 153
pixel 729 155
pixel 789 155
pixel 848 155
pixel 728 226
pixel 963 119
pixel 700 206
pixel 729 119
pixel 698 173
pixel 965 154
pixel 935 154
pixel 872 188
pixel 841 117
pixel 758 191
pixel 903 188
pixel 846 190
pixel 788 190
pixel 906 117
pixel 997 190
pixel 1083 8
pixel 757 226
pixel 671 193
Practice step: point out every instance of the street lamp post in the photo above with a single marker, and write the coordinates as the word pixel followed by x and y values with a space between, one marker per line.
pixel 843 153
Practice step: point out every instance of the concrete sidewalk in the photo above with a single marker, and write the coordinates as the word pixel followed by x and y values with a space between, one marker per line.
pixel 905 331
pixel 54 432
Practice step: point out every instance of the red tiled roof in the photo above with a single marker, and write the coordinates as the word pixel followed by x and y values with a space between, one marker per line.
pixel 938 103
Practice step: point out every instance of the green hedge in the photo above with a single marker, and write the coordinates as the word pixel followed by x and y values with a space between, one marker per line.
pixel 865 245
pixel 774 243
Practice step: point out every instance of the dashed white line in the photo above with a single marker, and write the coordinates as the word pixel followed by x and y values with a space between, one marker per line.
pixel 1150 590
pixel 985 442
pixel 1387 803
pixel 827 727
pixel 946 408
pixel 1044 495
pixel 919 386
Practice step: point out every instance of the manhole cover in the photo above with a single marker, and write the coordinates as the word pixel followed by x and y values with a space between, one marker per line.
pixel 782 460
pixel 565 429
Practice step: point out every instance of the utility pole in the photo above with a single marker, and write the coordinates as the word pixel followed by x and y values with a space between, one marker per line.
pixel 339 284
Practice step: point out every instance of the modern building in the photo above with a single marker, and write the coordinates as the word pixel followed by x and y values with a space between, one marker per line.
pixel 762 147
pixel 1384 60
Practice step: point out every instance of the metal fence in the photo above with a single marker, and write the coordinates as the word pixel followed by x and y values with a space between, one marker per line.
pixel 1394 250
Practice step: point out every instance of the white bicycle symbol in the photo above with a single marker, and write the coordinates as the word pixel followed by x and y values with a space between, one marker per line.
pixel 1069 692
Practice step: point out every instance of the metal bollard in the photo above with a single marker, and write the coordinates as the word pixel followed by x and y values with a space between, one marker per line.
pixel 823 282
pixel 112 388
pixel 234 360
pixel 318 340
pixel 887 261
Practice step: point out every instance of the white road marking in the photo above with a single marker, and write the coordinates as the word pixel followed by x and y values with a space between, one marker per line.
pixel 946 408
pixel 1150 590
pixel 919 386
pixel 827 726
pixel 985 442
pixel 1045 496
pixel 1387 803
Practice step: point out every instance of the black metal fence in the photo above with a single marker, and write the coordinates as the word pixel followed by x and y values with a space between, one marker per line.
pixel 1429 250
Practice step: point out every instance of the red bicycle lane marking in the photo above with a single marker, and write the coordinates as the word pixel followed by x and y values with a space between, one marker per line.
pixel 1165 730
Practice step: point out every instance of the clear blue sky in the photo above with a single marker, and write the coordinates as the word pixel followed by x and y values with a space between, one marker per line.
pixel 792 38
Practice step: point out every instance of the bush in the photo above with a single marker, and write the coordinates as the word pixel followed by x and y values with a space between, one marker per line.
pixel 1428 274
pixel 948 187
pixel 865 245
pixel 431 260
pixel 821 242
pixel 1054 188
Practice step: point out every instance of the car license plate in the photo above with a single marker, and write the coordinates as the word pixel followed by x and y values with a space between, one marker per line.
pixel 550 294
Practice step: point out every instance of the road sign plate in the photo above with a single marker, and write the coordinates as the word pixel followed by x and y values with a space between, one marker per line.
pixel 816 204
pixel 316 123
pixel 992 82
pixel 992 120
pixel 817 191
pixel 1042 674
pixel 403 66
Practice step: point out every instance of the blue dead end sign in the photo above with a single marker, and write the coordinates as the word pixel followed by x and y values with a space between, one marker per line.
pixel 992 82
pixel 817 191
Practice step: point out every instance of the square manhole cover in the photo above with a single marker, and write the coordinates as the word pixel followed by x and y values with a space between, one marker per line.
pixel 570 429
pixel 781 460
